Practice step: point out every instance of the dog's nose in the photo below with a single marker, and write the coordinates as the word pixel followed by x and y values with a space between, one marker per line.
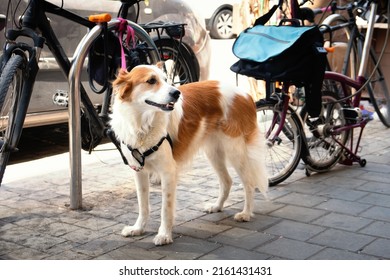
pixel 175 93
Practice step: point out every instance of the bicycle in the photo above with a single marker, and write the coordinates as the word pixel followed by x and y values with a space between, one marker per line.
pixel 345 36
pixel 320 142
pixel 19 67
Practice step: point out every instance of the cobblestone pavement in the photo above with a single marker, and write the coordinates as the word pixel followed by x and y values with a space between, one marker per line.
pixel 342 214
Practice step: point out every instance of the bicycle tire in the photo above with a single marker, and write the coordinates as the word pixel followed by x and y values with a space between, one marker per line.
pixel 181 65
pixel 378 91
pixel 322 152
pixel 284 155
pixel 11 84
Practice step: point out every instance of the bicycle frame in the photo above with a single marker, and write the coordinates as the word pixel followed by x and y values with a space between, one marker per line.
pixel 354 101
pixel 350 149
pixel 35 18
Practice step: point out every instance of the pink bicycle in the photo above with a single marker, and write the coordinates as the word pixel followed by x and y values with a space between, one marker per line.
pixel 323 141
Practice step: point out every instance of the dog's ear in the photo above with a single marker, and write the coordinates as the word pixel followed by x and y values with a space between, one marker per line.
pixel 122 84
pixel 160 65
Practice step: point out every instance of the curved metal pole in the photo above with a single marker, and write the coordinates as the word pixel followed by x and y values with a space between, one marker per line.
pixel 74 80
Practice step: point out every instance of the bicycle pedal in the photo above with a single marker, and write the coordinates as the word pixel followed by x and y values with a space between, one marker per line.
pixel 61 98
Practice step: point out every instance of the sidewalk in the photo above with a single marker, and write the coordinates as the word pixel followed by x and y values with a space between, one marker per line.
pixel 343 214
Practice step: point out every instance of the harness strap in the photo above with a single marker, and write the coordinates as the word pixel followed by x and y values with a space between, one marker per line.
pixel 141 157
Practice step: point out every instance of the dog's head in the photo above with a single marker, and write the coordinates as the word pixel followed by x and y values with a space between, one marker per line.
pixel 146 85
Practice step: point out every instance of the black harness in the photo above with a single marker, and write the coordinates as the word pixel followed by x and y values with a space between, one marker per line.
pixel 141 157
pixel 135 152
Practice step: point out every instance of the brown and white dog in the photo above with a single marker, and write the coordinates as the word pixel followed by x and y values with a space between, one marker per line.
pixel 216 117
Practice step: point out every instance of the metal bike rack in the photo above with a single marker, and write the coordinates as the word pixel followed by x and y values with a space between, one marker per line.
pixel 74 80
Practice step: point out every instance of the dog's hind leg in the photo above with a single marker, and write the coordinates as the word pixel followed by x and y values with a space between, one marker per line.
pixel 249 189
pixel 217 159
pixel 250 166
pixel 142 184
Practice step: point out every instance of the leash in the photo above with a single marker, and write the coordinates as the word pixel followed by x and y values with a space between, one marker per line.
pixel 125 27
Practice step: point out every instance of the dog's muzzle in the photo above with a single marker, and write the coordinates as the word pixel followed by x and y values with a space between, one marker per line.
pixel 174 94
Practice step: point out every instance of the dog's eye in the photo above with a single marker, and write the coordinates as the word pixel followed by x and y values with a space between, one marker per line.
pixel 152 81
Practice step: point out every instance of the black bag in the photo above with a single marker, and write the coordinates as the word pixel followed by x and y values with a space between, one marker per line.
pixel 285 54
pixel 105 60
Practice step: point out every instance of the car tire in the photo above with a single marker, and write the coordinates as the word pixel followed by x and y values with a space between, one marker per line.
pixel 222 24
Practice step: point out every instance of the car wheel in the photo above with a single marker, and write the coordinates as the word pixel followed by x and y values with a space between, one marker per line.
pixel 222 25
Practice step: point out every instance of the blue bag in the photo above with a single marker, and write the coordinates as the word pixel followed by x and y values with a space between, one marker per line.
pixel 283 53
pixel 261 43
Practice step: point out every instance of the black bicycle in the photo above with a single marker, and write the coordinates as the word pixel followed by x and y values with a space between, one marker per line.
pixel 19 68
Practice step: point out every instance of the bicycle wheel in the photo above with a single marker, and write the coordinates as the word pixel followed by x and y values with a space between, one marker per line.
pixel 11 84
pixel 323 152
pixel 283 155
pixel 180 64
pixel 378 91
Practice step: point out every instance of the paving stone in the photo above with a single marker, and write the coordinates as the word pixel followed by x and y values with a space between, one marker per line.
pixel 294 230
pixel 305 187
pixel 378 213
pixel 68 255
pixel 342 206
pixel 341 182
pixel 186 248
pixel 233 253
pixel 186 215
pixel 227 213
pixel 277 192
pixel 300 199
pixel 302 214
pixel 6 195
pixel 25 253
pixel 342 240
pixel 101 246
pixel 378 228
pixel 257 222
pixel 265 207
pixel 7 247
pixel 201 229
pixel 95 223
pixel 337 254
pixel 130 252
pixel 380 247
pixel 376 177
pixel 242 238
pixel 376 199
pixel 290 249
pixel 341 221
pixel 342 193
pixel 378 187
pixel 83 235
pixel 42 242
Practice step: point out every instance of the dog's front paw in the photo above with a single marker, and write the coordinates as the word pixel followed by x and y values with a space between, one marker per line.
pixel 242 217
pixel 162 239
pixel 131 231
pixel 213 208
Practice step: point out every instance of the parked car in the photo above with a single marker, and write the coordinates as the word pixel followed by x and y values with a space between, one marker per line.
pixel 50 80
pixel 217 14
